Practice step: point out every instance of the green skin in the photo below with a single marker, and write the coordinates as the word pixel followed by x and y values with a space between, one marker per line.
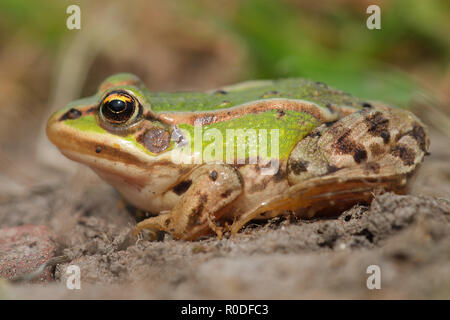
pixel 215 191
pixel 290 130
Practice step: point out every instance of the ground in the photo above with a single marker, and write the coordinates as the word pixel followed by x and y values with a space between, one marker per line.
pixel 407 236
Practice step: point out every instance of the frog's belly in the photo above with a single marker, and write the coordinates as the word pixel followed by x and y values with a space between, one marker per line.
pixel 153 192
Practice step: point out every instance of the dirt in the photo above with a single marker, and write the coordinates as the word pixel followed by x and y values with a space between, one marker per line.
pixel 407 236
pixel 23 250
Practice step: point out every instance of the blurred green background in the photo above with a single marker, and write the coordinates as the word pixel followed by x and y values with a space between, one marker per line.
pixel 182 45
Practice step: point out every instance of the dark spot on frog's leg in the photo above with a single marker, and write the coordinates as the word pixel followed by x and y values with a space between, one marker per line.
pixel 405 153
pixel 418 133
pixel 376 149
pixel 182 187
pixel 378 125
pixel 330 123
pixel 213 175
pixel 156 140
pixel 366 233
pixel 344 145
pixel 260 186
pixel 386 136
pixel 372 167
pixel 299 166
pixel 98 149
pixel 360 155
pixel 71 114
pixel 197 211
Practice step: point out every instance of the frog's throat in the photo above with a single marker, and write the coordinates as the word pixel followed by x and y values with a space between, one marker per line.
pixel 323 114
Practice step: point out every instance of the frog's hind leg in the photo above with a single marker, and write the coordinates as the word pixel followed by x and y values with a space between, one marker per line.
pixel 210 190
pixel 341 164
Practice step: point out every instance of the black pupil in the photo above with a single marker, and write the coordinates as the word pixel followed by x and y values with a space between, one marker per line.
pixel 117 105
pixel 119 110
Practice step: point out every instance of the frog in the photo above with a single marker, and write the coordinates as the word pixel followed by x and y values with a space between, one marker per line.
pixel 297 147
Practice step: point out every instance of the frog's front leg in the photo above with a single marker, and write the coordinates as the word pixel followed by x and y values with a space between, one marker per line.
pixel 340 164
pixel 211 189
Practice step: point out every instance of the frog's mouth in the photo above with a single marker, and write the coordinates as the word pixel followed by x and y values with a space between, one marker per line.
pixel 95 148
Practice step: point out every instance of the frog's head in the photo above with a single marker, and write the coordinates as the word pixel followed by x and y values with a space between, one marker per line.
pixel 113 130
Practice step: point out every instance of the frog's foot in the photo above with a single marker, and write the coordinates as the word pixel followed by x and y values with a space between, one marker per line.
pixel 336 166
pixel 210 190
pixel 154 224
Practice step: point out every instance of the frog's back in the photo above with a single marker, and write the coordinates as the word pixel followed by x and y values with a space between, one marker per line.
pixel 246 92
pixel 293 106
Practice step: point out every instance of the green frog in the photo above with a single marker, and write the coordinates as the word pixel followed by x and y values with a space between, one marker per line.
pixel 209 162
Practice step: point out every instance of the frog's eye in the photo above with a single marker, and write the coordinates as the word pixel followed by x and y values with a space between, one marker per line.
pixel 119 108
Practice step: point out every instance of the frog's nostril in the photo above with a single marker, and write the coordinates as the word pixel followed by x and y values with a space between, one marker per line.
pixel 71 114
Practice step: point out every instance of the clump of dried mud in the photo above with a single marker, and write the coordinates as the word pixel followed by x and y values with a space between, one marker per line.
pixel 407 236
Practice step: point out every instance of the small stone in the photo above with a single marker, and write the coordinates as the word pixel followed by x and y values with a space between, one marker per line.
pixel 24 249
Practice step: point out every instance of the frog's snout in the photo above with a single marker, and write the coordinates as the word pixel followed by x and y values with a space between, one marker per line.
pixel 51 129
pixel 55 123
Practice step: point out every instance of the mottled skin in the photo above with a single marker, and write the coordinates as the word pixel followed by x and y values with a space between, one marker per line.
pixel 334 151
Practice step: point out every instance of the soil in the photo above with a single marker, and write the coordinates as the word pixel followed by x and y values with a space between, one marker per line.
pixel 407 236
